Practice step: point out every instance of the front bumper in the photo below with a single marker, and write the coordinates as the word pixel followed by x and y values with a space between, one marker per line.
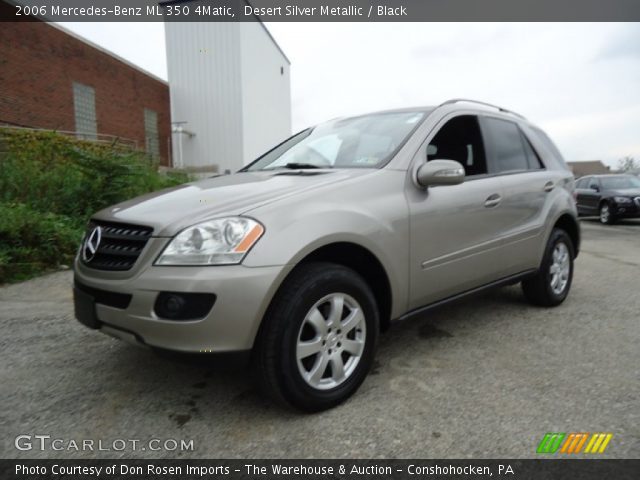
pixel 627 210
pixel 242 297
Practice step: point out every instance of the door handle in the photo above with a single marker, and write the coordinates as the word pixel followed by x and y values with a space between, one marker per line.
pixel 492 200
pixel 549 186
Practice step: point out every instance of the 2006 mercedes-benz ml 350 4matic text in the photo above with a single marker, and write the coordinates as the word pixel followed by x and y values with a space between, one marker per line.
pixel 303 256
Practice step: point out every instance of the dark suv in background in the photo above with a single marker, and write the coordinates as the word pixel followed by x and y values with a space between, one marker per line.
pixel 609 196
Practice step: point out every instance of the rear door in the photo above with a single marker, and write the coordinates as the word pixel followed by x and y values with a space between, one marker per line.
pixel 582 192
pixel 528 188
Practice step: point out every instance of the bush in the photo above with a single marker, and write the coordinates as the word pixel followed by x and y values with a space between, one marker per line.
pixel 49 186
pixel 59 174
pixel 32 241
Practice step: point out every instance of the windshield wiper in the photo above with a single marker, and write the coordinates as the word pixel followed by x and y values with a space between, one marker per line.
pixel 300 166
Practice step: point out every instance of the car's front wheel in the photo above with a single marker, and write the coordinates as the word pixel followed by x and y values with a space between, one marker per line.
pixel 606 215
pixel 318 339
pixel 551 284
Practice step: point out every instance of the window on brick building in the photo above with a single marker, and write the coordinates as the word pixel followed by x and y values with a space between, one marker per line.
pixel 152 142
pixel 84 105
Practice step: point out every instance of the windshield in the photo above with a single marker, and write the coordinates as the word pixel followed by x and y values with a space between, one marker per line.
pixel 359 142
pixel 620 183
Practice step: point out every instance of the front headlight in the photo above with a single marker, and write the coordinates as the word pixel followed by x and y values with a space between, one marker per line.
pixel 224 241
pixel 621 199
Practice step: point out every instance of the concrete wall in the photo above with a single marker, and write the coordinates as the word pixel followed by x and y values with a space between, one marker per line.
pixel 266 97
pixel 230 83
pixel 203 62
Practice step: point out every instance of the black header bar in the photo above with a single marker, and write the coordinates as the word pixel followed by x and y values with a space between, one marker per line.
pixel 320 10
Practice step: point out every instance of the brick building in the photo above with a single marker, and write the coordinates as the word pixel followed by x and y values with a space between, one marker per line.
pixel 53 79
pixel 591 167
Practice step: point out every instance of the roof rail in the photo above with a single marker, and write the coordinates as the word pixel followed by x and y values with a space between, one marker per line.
pixel 458 100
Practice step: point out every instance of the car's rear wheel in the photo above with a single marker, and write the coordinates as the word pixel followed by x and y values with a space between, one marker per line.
pixel 606 215
pixel 551 284
pixel 318 338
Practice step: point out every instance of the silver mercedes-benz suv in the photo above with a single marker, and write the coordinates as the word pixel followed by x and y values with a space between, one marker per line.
pixel 303 256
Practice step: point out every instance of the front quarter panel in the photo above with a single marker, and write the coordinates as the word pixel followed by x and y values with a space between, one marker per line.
pixel 370 211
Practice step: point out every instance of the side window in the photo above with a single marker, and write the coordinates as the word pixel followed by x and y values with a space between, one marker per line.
pixel 548 143
pixel 460 139
pixel 594 184
pixel 508 153
pixel 533 160
pixel 582 183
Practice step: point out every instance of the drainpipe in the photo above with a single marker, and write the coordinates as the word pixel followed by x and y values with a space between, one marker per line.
pixel 178 129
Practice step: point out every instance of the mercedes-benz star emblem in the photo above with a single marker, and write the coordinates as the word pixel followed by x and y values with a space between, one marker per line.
pixel 91 244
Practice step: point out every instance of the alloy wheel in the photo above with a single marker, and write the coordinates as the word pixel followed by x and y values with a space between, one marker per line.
pixel 560 268
pixel 331 341
pixel 605 213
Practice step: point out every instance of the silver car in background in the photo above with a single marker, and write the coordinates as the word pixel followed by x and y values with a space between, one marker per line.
pixel 305 255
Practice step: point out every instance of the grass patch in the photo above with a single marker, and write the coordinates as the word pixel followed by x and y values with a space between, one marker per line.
pixel 50 184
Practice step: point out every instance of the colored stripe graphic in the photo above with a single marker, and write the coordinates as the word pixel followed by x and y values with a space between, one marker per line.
pixel 598 443
pixel 574 442
pixel 550 442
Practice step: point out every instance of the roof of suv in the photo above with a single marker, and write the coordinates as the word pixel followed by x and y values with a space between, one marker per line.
pixel 475 105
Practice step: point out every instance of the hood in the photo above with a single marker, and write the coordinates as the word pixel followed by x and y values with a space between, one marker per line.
pixel 171 210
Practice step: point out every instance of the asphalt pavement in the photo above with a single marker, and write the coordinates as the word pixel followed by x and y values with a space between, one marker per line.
pixel 483 378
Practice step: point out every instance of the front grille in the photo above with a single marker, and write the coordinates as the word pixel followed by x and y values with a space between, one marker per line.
pixel 119 247
pixel 105 297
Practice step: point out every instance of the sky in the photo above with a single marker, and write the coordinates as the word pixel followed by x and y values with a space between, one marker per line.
pixel 578 81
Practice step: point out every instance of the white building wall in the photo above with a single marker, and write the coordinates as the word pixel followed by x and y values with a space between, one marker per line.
pixel 266 86
pixel 225 83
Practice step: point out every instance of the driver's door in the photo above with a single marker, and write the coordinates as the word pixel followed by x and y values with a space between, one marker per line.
pixel 591 196
pixel 455 230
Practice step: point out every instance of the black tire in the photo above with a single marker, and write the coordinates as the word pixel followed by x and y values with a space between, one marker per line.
pixel 275 362
pixel 606 214
pixel 538 289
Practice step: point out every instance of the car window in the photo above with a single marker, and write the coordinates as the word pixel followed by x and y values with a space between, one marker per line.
pixel 544 138
pixel 582 183
pixel 327 146
pixel 507 148
pixel 593 184
pixel 367 141
pixel 533 160
pixel 619 183
pixel 460 139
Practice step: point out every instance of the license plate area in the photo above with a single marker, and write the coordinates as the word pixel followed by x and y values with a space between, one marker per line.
pixel 85 309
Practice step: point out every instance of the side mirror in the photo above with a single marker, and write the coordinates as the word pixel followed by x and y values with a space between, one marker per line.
pixel 595 188
pixel 440 172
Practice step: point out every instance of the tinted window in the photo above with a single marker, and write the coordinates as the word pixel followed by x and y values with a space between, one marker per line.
pixel 533 159
pixel 506 146
pixel 619 183
pixel 548 143
pixel 460 140
pixel 582 183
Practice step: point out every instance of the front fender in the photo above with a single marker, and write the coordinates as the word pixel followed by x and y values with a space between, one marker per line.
pixel 379 225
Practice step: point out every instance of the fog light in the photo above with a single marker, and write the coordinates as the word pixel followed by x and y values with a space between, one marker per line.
pixel 183 306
